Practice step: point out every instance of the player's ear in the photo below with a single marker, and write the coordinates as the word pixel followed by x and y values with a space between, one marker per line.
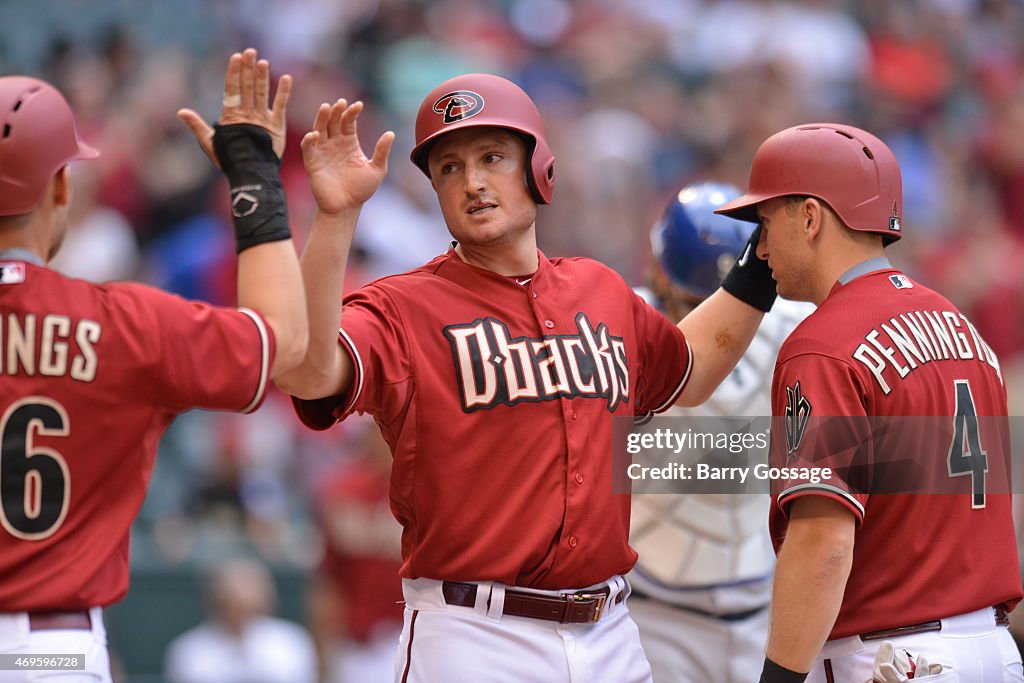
pixel 812 215
pixel 62 188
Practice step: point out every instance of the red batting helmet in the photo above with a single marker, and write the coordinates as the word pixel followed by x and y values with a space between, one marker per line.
pixel 38 138
pixel 486 100
pixel 847 168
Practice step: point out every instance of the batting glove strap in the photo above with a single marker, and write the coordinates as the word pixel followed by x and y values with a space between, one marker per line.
pixel 258 209
pixel 750 279
pixel 773 673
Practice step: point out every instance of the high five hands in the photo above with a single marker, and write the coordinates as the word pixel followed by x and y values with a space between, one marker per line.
pixel 340 174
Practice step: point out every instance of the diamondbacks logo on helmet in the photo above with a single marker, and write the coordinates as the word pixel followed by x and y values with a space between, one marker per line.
pixel 798 411
pixel 459 105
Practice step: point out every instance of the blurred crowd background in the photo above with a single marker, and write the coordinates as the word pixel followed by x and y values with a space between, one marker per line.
pixel 639 97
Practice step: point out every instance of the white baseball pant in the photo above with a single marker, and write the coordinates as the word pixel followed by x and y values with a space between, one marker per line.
pixel 442 642
pixel 970 647
pixel 684 646
pixel 17 638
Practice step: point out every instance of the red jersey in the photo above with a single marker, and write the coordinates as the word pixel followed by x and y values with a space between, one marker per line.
pixel 496 396
pixel 362 550
pixel 90 377
pixel 881 346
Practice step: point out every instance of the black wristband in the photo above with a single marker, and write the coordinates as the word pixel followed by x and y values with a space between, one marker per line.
pixel 258 209
pixel 773 673
pixel 750 279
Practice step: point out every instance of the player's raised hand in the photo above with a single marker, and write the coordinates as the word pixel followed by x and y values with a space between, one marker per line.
pixel 340 174
pixel 246 100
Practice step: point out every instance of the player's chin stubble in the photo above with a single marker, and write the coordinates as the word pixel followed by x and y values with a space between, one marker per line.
pixel 510 232
pixel 794 286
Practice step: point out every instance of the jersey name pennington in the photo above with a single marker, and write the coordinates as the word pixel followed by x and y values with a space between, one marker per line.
pixel 920 337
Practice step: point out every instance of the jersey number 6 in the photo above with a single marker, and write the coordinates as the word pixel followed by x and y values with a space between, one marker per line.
pixel 965 453
pixel 34 481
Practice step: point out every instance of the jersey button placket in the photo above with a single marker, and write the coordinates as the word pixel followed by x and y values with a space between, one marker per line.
pixel 540 316
pixel 573 542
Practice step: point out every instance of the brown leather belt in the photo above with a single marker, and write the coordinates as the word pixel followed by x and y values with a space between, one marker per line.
pixel 48 621
pixel 1002 619
pixel 580 607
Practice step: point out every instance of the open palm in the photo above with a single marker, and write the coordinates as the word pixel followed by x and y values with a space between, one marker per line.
pixel 246 100
pixel 340 174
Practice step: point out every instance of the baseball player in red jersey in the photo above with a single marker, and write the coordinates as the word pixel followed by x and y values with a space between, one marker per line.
pixel 934 574
pixel 494 373
pixel 91 375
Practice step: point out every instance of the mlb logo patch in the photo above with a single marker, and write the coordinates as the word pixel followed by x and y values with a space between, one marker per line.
pixel 12 272
pixel 901 281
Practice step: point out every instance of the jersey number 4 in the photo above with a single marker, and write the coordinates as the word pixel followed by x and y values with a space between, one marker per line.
pixel 34 481
pixel 965 453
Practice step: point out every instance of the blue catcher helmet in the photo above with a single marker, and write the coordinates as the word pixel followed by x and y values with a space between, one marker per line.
pixel 695 246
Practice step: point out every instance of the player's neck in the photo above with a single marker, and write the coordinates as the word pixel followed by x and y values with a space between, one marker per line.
pixel 23 233
pixel 41 230
pixel 507 258
pixel 842 260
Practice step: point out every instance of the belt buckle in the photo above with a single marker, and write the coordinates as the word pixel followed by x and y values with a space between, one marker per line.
pixel 601 598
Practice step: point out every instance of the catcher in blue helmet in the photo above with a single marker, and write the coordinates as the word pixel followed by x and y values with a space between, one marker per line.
pixel 702 583
pixel 694 247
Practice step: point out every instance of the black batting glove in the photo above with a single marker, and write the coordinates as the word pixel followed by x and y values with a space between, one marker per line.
pixel 750 279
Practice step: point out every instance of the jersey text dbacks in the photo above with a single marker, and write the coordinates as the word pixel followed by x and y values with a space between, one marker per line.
pixel 493 368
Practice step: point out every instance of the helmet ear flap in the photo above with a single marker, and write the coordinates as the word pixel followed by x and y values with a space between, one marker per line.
pixel 540 174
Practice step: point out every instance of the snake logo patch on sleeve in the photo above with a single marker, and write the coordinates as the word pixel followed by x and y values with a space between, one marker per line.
pixel 798 411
